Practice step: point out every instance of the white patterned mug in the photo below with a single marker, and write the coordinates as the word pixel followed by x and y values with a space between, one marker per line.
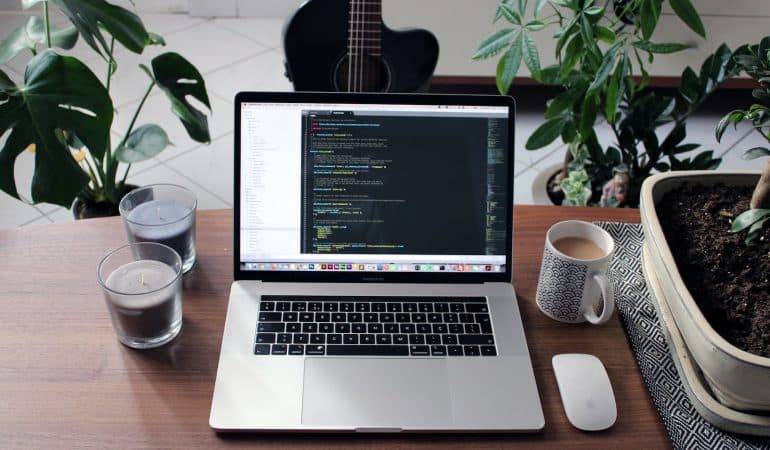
pixel 573 276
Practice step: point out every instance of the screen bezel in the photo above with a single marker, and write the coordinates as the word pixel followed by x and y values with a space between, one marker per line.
pixel 385 99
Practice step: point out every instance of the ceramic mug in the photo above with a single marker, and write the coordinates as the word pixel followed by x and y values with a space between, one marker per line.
pixel 573 276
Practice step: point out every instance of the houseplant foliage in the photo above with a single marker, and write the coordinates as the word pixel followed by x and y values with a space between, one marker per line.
pixel 755 62
pixel 600 46
pixel 64 112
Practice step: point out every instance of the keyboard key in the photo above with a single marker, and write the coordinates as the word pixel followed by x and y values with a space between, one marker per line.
pixel 347 307
pixel 484 321
pixel 402 317
pixel 283 306
pixel 394 307
pixel 367 350
pixel 440 328
pixel 265 338
pixel 449 339
pixel 270 327
pixel 410 307
pixel 378 307
pixel 408 328
pixel 416 339
pixel 457 307
pixel 450 318
pixel 472 350
pixel 279 349
pixel 419 317
pixel 362 307
pixel 299 306
pixel 426 307
pixel 306 317
pixel 331 306
pixel 317 338
pixel 391 328
pixel 433 339
pixel 359 328
pixel 334 339
pixel 437 350
pixel 293 327
pixel 477 308
pixel 434 318
pixel 284 338
pixel 419 350
pixel 350 339
pixel 323 317
pixel 301 338
pixel 455 350
pixel 315 306
pixel 387 317
pixel 325 328
pixel 342 328
pixel 423 328
pixel 290 317
pixel 371 317
pixel 441 307
pixel 266 306
pixel 374 328
pixel 355 317
pixel 476 339
pixel 384 339
pixel 367 339
pixel 310 328
pixel 315 350
pixel 400 339
pixel 467 318
pixel 338 317
pixel 488 350
pixel 456 328
pixel 262 349
pixel 270 317
pixel 472 328
pixel 296 349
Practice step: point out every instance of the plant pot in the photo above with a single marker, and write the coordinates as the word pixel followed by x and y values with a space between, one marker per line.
pixel 738 379
pixel 83 209
pixel 540 195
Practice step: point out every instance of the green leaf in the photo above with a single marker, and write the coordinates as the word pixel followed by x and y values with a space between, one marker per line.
pixel 594 11
pixel 756 152
pixel 748 218
pixel 605 35
pixel 530 55
pixel 688 15
pixel 510 15
pixel 539 6
pixel 734 116
pixel 91 16
pixel 588 115
pixel 499 11
pixel 178 78
pixel 660 47
pixel 535 25
pixel 494 43
pixel 604 69
pixel 143 143
pixel 60 93
pixel 611 105
pixel 571 56
pixel 546 133
pixel 690 86
pixel 508 66
pixel 565 100
pixel 32 34
pixel 649 16
pixel 565 3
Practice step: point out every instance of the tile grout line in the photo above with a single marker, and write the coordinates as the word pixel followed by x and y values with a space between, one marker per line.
pixel 269 46
pixel 171 168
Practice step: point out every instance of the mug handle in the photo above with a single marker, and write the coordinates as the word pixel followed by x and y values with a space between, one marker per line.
pixel 607 298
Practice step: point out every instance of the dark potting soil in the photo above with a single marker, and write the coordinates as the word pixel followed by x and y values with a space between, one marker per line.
pixel 729 281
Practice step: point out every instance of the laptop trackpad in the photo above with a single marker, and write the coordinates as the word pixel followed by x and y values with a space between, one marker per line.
pixel 354 393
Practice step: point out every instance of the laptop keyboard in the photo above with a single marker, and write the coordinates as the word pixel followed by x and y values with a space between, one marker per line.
pixel 374 326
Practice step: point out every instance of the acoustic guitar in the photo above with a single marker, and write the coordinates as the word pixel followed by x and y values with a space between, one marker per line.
pixel 343 45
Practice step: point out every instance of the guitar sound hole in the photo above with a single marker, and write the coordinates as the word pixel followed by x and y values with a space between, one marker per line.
pixel 367 74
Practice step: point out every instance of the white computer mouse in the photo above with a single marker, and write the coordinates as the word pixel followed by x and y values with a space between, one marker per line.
pixel 586 392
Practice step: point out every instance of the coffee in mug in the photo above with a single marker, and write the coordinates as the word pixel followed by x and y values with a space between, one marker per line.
pixel 578 247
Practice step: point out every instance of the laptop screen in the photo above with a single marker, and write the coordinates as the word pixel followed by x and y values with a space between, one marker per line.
pixel 373 185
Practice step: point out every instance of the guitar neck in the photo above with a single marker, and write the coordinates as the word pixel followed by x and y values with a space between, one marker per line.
pixel 365 28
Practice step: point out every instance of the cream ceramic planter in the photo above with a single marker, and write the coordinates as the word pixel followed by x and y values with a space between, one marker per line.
pixel 740 380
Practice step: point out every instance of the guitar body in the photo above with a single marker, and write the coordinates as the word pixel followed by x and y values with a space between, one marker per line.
pixel 315 42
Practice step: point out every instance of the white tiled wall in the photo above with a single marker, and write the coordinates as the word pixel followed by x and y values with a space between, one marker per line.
pixel 244 54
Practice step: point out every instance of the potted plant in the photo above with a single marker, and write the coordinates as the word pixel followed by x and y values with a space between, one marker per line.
pixel 716 283
pixel 603 51
pixel 64 112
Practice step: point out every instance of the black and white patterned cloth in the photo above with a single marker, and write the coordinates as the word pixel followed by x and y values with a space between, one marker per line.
pixel 687 429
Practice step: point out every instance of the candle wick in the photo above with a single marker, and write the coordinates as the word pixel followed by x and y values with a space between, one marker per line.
pixel 157 211
pixel 141 279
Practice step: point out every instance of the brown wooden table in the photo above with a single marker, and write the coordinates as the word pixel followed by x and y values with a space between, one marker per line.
pixel 65 381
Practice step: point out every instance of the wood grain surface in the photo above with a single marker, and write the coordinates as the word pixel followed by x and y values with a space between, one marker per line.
pixel 66 382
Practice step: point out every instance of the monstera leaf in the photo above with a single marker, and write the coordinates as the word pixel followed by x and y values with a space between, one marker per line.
pixel 60 94
pixel 89 15
pixel 178 78
pixel 32 34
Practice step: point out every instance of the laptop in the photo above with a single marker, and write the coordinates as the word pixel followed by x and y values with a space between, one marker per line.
pixel 372 268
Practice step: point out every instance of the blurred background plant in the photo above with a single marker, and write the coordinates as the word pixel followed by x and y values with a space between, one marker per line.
pixel 755 61
pixel 603 50
pixel 64 112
